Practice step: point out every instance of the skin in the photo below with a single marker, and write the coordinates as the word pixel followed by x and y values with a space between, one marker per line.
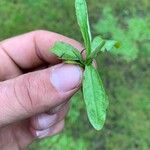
pixel 25 94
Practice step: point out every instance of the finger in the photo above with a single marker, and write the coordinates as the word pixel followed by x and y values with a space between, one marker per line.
pixel 44 120
pixel 8 69
pixel 38 92
pixel 29 51
pixel 53 130
pixel 58 108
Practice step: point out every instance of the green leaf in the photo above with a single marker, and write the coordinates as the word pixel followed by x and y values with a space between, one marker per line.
pixel 95 97
pixel 74 63
pixel 109 44
pixel 83 21
pixel 66 51
pixel 97 44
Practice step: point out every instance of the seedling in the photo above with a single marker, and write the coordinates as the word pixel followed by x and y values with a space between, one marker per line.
pixel 93 91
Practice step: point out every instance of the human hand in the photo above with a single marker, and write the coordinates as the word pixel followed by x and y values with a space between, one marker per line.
pixel 34 97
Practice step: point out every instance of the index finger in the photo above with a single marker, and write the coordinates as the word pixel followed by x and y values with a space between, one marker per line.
pixel 31 50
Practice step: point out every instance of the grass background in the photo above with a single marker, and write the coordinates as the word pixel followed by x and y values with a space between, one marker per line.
pixel 125 72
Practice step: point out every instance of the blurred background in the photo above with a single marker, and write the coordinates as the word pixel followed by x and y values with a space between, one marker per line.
pixel 125 72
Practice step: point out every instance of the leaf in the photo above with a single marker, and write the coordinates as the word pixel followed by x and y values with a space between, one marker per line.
pixel 66 51
pixel 97 44
pixel 74 63
pixel 109 44
pixel 83 21
pixel 95 97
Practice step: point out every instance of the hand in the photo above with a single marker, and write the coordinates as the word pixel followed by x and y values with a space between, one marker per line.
pixel 34 97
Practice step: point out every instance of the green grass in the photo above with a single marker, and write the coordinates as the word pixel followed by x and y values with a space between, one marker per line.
pixel 127 83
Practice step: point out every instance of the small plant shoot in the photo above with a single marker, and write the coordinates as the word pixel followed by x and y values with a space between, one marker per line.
pixel 93 90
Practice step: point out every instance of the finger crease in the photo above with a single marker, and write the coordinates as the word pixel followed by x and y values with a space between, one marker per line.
pixel 38 52
pixel 28 94
pixel 18 99
pixel 5 51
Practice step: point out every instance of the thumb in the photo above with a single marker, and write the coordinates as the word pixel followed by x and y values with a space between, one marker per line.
pixel 37 92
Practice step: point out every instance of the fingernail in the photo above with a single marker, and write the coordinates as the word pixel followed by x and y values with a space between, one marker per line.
pixel 45 121
pixel 42 133
pixel 66 77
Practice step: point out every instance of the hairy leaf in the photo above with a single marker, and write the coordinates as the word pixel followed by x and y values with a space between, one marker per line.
pixel 66 51
pixel 109 44
pixel 83 21
pixel 97 44
pixel 95 97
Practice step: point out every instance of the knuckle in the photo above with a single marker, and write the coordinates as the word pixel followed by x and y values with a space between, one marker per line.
pixel 27 90
pixel 34 94
pixel 20 96
pixel 35 90
pixel 23 91
pixel 40 31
